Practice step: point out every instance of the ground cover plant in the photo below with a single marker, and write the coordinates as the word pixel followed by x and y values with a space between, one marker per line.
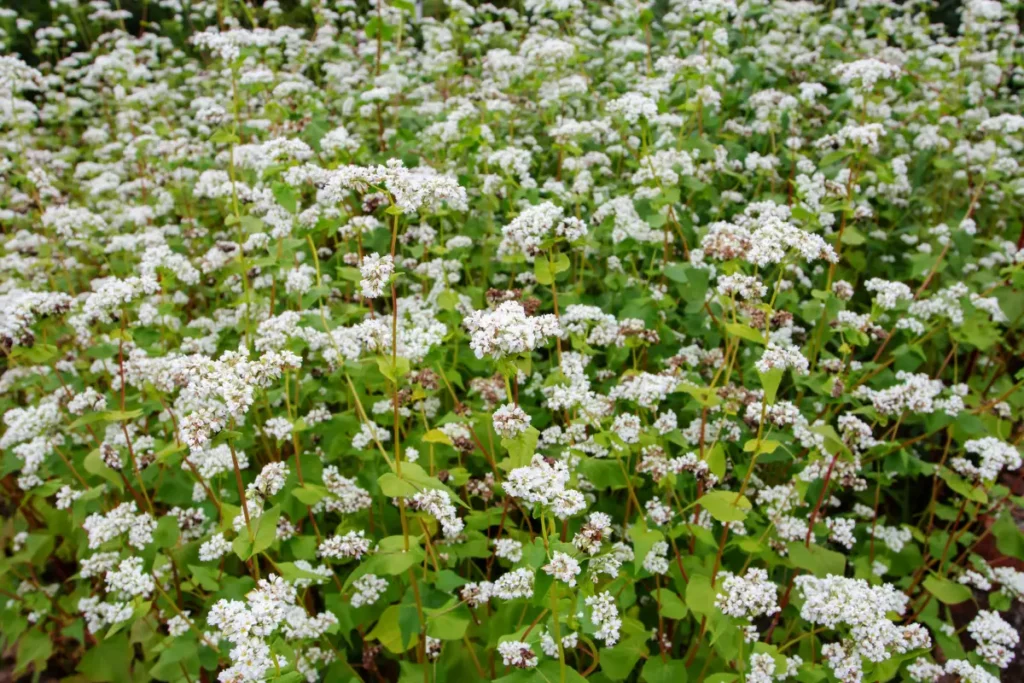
pixel 562 340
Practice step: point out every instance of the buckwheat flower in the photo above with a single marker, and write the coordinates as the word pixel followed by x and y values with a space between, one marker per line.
pixel 762 668
pixel 376 271
pixel 269 481
pixel 563 567
pixel 666 422
pixel 550 648
pixel 783 358
pixel 518 583
pixel 368 589
pixel 97 565
pixel 509 549
pixel 656 560
pixel 833 601
pixel 437 503
pixel 840 530
pixel 605 616
pixel 214 549
pixel 122 519
pixel 344 494
pixel 865 72
pixel 973 578
pixel 659 513
pixel 994 456
pixel 923 671
pixel 370 433
pixel 1012 581
pixel 608 565
pixel 627 427
pixel 508 331
pixel 644 388
pixel 592 534
pixel 969 673
pixel 888 294
pixel 89 399
pixel 746 287
pixel 843 290
pixel 510 421
pixel 543 483
pixel 279 428
pixel 128 580
pixel 476 594
pixel 526 232
pixel 844 661
pixel 633 106
pixel 518 654
pixel 351 546
pixel 894 537
pixel 178 625
pixel 749 596
pixel 66 496
pixel 101 614
pixel 996 639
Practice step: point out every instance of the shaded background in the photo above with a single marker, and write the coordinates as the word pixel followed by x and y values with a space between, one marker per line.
pixel 40 14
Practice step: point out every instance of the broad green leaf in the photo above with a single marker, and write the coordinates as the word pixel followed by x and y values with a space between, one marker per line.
pixel 657 670
pixel 948 592
pixel 672 606
pixel 817 560
pixel 725 506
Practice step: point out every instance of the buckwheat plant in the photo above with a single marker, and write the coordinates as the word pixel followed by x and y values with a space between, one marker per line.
pixel 533 341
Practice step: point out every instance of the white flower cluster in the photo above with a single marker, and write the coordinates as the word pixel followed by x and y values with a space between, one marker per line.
pixel 544 483
pixel 508 330
pixel 438 504
pixel 605 616
pixel 853 604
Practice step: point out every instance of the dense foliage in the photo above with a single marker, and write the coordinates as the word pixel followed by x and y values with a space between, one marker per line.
pixel 570 340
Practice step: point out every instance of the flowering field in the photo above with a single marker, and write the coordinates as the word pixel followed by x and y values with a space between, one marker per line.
pixel 617 341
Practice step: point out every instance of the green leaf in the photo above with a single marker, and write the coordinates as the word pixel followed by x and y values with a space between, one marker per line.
pixel 110 660
pixel 643 540
pixel 672 606
pixel 94 465
pixel 561 264
pixel 388 632
pixel 745 332
pixel 948 592
pixel 817 560
pixel 393 487
pixel 266 534
pixel 166 534
pixel 242 546
pixel 542 271
pixel 448 623
pixel 725 506
pixel 619 661
pixel 770 383
pixel 37 353
pixel 758 447
pixel 955 482
pixel 437 436
pixel 676 273
pixel 34 647
pixel 223 136
pixel 657 670
pixel 700 595
pixel 121 415
pixel 522 448
pixel 393 370
pixel 310 494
